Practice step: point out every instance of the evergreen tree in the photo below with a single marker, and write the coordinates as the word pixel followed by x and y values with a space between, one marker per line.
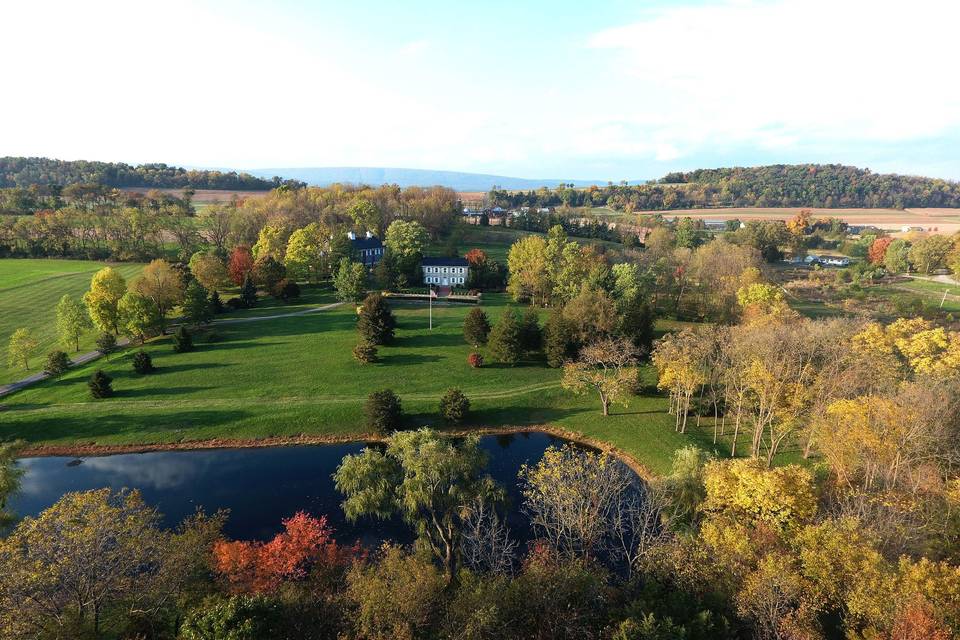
pixel 248 293
pixel 182 340
pixel 365 352
pixel 383 411
pixel 504 339
pixel 100 385
pixel 376 322
pixel 454 405
pixel 531 337
pixel 216 304
pixel 142 362
pixel 196 304
pixel 476 327
pixel 559 343
pixel 57 364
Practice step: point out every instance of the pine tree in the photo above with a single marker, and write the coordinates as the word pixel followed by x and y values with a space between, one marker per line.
pixel 57 364
pixel 476 327
pixel 376 322
pixel 504 339
pixel 100 385
pixel 248 293
pixel 559 343
pixel 142 362
pixel 196 304
pixel 216 304
pixel 383 411
pixel 182 340
pixel 531 337
pixel 454 405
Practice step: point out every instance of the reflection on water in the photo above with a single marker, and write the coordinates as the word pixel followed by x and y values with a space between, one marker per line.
pixel 260 487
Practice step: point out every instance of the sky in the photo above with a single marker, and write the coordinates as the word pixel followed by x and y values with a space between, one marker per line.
pixel 601 90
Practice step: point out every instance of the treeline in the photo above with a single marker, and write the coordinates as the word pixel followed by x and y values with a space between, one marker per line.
pixel 806 185
pixel 24 172
pixel 98 222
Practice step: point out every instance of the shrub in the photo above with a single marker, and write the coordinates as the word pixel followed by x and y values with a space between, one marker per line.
pixel 235 303
pixel 365 352
pixel 57 364
pixel 182 340
pixel 376 322
pixel 100 385
pixel 454 405
pixel 476 327
pixel 383 411
pixel 287 290
pixel 106 343
pixel 475 359
pixel 142 362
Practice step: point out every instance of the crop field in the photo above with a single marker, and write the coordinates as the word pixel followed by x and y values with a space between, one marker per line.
pixel 29 292
pixel 296 375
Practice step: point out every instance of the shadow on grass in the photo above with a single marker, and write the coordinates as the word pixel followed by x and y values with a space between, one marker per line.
pixel 118 425
pixel 429 340
pixel 510 416
pixel 155 392
pixel 407 358
pixel 180 368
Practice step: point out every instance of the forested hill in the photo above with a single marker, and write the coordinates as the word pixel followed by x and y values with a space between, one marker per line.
pixel 24 172
pixel 798 185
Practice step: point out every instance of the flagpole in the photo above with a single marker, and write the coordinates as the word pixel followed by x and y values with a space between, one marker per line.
pixel 430 295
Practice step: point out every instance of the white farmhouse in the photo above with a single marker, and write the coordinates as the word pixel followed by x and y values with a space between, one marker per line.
pixel 445 272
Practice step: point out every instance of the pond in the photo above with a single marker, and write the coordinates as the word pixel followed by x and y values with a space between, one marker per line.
pixel 260 486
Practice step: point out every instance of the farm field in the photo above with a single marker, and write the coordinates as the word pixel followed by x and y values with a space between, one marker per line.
pixel 291 376
pixel 29 292
pixel 945 221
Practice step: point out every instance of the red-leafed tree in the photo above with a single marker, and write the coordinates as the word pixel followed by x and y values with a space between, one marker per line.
pixel 241 262
pixel 476 258
pixel 917 621
pixel 878 249
pixel 306 544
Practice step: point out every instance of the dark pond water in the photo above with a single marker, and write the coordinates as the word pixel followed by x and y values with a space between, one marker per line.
pixel 260 487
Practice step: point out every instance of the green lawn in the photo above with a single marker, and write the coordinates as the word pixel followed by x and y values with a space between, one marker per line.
pixel 495 241
pixel 29 292
pixel 288 376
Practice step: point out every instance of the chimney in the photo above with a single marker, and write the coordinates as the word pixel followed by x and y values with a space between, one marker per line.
pixel 369 235
pixel 351 235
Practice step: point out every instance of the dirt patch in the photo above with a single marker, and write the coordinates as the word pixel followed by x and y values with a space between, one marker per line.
pixel 89 449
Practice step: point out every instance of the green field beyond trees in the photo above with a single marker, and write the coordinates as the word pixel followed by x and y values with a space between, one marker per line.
pixel 29 292
pixel 296 375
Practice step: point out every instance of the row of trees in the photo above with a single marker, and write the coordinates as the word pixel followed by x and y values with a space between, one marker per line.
pixel 806 185
pixel 50 174
pixel 99 222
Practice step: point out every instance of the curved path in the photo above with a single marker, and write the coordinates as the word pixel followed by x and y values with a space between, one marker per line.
pixel 90 356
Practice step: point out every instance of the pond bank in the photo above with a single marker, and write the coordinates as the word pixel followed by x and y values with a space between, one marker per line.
pixel 89 449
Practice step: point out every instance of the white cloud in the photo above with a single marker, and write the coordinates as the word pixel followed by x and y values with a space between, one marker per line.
pixel 778 73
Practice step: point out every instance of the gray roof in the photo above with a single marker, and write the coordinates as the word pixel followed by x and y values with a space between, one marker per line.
pixel 445 262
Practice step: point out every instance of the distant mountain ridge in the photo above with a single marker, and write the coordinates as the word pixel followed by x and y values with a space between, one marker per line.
pixel 461 181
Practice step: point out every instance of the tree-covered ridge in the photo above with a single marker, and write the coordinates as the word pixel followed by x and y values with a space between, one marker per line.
pixel 799 185
pixel 23 172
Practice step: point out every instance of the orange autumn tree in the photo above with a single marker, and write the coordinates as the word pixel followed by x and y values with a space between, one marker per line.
pixel 257 567
pixel 476 258
pixel 241 262
pixel 877 252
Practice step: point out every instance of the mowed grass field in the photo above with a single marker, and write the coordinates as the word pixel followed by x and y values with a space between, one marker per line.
pixel 29 292
pixel 296 375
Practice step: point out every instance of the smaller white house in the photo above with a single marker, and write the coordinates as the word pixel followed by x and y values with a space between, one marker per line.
pixel 445 272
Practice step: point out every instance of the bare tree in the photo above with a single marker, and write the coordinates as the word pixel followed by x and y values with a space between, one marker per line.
pixel 604 367
pixel 486 541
